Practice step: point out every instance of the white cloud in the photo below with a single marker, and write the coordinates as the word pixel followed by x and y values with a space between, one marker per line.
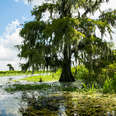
pixel 8 51
pixel 37 2
pixel 33 2
pixel 111 4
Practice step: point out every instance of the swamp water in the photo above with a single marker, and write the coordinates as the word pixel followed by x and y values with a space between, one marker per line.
pixel 51 101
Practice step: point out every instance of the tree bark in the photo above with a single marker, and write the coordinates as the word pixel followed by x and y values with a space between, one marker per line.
pixel 66 75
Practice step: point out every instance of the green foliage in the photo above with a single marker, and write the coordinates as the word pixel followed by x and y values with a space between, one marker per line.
pixel 113 84
pixel 80 72
pixel 110 85
pixel 107 88
pixel 106 74
pixel 110 70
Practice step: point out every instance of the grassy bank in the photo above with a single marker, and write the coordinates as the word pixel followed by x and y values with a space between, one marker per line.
pixel 13 73
pixel 10 73
pixel 42 78
pixel 46 76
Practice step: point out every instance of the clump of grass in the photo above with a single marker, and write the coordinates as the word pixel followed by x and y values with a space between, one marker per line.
pixel 19 87
pixel 107 86
pixel 110 85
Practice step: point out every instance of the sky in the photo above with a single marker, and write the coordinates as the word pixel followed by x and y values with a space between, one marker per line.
pixel 13 14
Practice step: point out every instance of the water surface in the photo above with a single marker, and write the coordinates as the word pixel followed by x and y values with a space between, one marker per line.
pixel 16 104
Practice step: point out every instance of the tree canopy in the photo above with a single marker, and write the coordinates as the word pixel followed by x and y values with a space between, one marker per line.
pixel 68 32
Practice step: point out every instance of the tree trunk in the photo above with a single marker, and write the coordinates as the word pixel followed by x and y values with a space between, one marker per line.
pixel 66 75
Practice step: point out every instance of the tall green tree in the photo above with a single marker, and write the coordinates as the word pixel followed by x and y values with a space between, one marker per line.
pixel 59 37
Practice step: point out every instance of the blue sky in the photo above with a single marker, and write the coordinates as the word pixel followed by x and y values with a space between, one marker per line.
pixel 12 14
pixel 12 10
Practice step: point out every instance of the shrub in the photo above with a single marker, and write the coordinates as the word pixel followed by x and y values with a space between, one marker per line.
pixel 110 85
pixel 80 72
pixel 113 84
pixel 107 88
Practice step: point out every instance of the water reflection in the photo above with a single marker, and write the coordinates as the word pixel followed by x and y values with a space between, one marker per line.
pixel 65 104
pixel 49 102
pixel 5 113
pixel 33 105
pixel 51 105
pixel 9 106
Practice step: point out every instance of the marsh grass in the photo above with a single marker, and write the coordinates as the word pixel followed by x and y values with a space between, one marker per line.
pixel 13 73
pixel 20 87
pixel 43 77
